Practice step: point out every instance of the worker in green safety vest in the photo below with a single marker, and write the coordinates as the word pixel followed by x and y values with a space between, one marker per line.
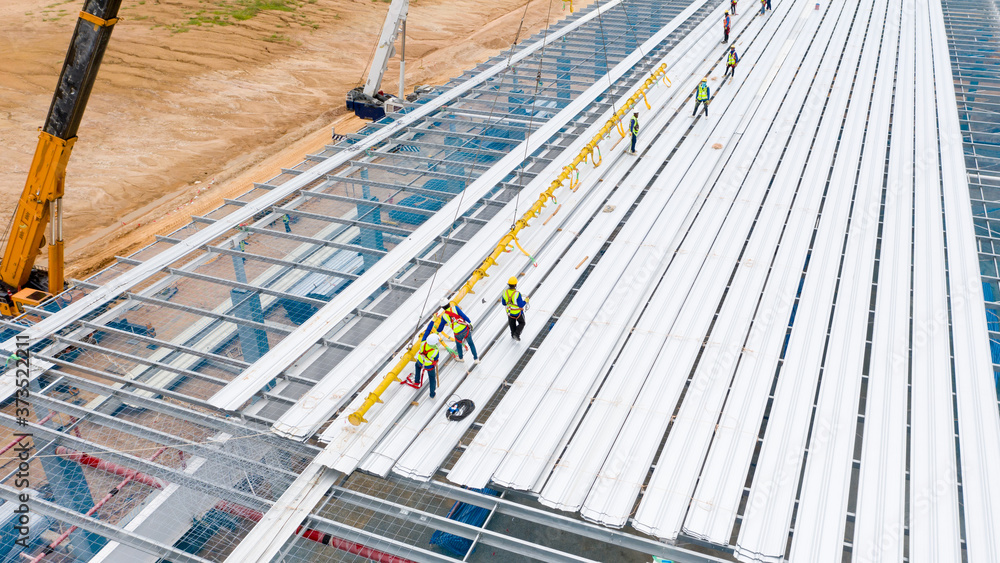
pixel 633 128
pixel 732 59
pixel 427 360
pixel 515 304
pixel 461 327
pixel 702 96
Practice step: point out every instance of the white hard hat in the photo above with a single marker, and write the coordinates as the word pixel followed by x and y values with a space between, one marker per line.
pixel 433 339
pixel 443 303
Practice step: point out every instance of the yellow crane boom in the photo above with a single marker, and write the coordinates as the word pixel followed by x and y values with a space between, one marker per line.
pixel 41 201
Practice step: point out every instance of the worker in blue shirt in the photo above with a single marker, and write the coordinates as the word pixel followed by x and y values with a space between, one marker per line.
pixel 732 59
pixel 515 304
pixel 701 96
pixel 460 325
pixel 633 127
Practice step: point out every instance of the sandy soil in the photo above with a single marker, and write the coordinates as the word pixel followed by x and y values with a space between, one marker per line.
pixel 183 114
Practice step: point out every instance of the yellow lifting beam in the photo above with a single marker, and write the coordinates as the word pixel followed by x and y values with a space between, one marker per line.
pixel 358 416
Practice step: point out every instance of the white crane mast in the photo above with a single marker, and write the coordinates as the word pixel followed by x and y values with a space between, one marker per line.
pixel 395 21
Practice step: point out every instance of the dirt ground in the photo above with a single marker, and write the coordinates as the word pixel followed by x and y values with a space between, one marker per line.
pixel 196 99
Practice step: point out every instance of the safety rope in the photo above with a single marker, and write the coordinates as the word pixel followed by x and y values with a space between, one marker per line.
pixel 604 46
pixel 460 409
pixel 631 28
pixel 604 49
pixel 531 114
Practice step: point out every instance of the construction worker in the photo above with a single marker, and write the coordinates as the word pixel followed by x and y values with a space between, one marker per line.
pixel 460 325
pixel 287 221
pixel 633 127
pixel 702 96
pixel 768 2
pixel 427 360
pixel 515 304
pixel 11 358
pixel 732 7
pixel 732 59
pixel 763 5
pixel 725 28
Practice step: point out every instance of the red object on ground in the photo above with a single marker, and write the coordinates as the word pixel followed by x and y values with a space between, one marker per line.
pixel 225 506
pixel 98 463
pixel 351 547
pixel 131 476
pixel 317 536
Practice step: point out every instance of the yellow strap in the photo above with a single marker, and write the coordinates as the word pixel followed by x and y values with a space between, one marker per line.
pixel 600 158
pixel 521 248
pixel 98 22
pixel 621 129
pixel 667 81
pixel 647 101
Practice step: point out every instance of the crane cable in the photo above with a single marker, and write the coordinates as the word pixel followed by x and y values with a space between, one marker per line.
pixel 10 223
pixel 478 150
pixel 604 49
pixel 631 28
pixel 371 56
pixel 531 120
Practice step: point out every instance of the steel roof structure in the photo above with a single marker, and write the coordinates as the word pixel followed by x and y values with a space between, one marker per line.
pixel 772 334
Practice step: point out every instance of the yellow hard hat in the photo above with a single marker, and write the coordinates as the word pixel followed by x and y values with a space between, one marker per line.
pixel 512 280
